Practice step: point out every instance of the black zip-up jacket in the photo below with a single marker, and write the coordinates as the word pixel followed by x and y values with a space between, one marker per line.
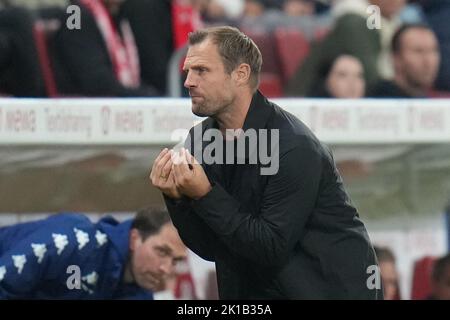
pixel 291 235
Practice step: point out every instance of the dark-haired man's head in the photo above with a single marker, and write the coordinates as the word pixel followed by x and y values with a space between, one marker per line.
pixel 155 248
pixel 416 59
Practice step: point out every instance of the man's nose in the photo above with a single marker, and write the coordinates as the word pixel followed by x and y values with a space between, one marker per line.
pixel 189 82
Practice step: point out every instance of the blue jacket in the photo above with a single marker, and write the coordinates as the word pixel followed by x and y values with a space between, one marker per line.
pixel 41 259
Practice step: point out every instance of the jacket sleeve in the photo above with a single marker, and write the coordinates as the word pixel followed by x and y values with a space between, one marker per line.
pixel 193 231
pixel 289 197
pixel 40 251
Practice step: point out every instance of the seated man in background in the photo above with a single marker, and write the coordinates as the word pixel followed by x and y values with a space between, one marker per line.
pixel 20 73
pixel 440 279
pixel 66 256
pixel 101 58
pixel 416 59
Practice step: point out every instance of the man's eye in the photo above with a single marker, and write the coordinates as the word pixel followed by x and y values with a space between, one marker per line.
pixel 161 252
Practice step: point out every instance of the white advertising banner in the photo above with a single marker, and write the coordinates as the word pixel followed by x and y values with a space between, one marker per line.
pixel 161 121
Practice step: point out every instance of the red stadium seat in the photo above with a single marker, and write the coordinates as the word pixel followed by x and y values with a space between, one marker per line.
pixel 270 82
pixel 293 48
pixel 265 43
pixel 421 286
pixel 270 85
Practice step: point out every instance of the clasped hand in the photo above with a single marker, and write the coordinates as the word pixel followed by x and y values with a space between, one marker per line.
pixel 179 174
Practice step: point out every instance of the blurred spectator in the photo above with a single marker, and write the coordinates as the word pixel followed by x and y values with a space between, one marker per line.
pixel 34 4
pixel 412 13
pixel 343 77
pixel 213 11
pixel 5 48
pixel 421 277
pixel 254 8
pixel 151 22
pixel 440 279
pixel 416 61
pixel 352 35
pixel 298 8
pixel 223 10
pixel 389 275
pixel 272 4
pixel 160 27
pixel 290 7
pixel 20 73
pixel 100 58
pixel 437 15
pixel 233 8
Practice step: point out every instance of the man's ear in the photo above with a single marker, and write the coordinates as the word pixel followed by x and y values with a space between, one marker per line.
pixel 135 239
pixel 242 74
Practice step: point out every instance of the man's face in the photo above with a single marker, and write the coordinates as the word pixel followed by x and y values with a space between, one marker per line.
pixel 113 6
pixel 418 59
pixel 153 260
pixel 211 88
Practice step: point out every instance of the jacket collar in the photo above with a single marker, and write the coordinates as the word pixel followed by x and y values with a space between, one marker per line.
pixel 259 112
pixel 118 235
pixel 257 116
